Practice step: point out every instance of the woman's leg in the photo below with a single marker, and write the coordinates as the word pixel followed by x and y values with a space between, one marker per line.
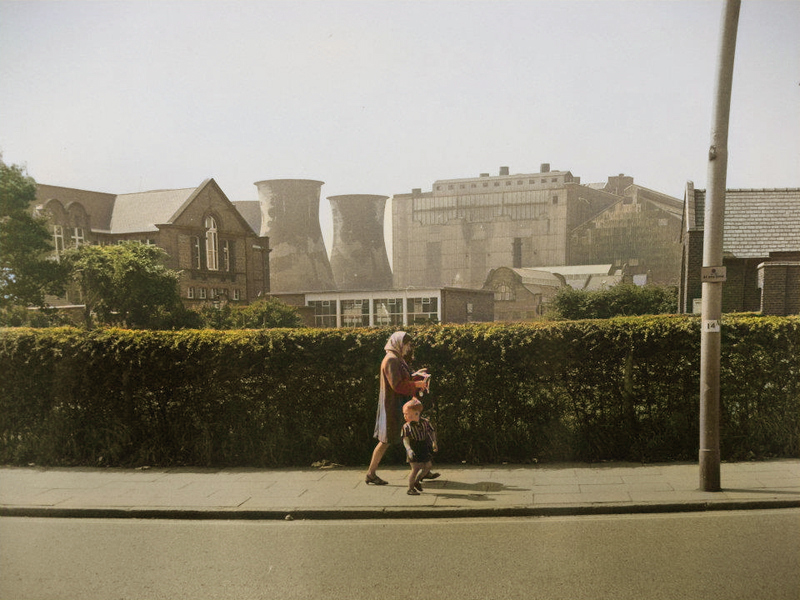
pixel 377 455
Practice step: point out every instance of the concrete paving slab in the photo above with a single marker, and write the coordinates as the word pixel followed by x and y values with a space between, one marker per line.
pixel 462 490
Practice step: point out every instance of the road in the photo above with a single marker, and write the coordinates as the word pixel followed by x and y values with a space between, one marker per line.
pixel 747 554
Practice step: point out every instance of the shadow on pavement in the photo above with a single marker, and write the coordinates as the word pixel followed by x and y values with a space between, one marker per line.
pixel 479 491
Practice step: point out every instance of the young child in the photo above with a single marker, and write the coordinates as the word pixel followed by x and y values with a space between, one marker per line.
pixel 419 438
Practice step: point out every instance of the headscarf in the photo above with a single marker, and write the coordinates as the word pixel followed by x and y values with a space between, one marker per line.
pixel 395 343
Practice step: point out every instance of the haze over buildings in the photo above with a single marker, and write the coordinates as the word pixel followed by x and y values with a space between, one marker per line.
pixel 383 97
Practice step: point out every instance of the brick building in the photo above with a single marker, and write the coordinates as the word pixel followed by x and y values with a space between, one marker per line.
pixel 219 254
pixel 761 250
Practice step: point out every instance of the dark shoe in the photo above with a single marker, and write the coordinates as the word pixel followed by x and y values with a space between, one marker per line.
pixel 432 475
pixel 418 486
pixel 375 480
pixel 412 492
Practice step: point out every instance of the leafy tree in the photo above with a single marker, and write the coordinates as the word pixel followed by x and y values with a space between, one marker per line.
pixel 262 314
pixel 624 299
pixel 125 284
pixel 28 270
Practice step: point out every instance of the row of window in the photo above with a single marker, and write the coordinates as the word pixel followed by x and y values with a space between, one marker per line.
pixel 463 186
pixel 384 311
pixel 75 237
pixel 202 293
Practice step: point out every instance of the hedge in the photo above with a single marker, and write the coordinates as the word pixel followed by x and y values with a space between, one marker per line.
pixel 617 389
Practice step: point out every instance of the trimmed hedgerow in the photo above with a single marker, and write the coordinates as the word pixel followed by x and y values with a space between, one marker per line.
pixel 617 389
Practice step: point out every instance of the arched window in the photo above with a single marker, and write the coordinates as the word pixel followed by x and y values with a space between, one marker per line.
pixel 212 240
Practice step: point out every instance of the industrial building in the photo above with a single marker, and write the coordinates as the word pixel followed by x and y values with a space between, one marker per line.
pixel 462 229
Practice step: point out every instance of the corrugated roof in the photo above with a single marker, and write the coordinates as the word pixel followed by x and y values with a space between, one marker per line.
pixel 142 211
pixel 537 277
pixel 757 221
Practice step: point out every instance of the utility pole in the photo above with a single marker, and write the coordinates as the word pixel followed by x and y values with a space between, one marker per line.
pixel 713 272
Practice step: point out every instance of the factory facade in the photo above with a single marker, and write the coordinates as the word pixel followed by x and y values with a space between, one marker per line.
pixel 463 229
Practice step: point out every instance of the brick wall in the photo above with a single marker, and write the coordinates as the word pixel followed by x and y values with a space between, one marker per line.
pixel 780 288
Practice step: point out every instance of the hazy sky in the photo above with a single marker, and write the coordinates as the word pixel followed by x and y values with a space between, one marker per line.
pixel 382 96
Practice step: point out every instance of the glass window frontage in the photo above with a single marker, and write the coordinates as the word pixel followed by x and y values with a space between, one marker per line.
pixel 324 312
pixel 375 309
pixel 355 313
pixel 423 310
pixel 388 311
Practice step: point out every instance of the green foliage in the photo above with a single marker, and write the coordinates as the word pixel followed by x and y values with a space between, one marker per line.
pixel 614 389
pixel 125 284
pixel 262 314
pixel 27 271
pixel 624 299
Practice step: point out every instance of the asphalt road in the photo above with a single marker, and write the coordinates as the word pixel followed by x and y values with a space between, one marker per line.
pixel 711 555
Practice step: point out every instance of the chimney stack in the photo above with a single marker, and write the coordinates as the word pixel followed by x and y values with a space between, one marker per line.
pixel 545 168
pixel 503 170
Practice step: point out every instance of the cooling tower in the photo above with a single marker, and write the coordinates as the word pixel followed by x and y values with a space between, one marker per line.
pixel 358 252
pixel 290 217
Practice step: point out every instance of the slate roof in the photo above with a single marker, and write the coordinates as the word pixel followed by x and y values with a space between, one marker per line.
pixel 757 221
pixel 98 205
pixel 140 212
pixel 251 212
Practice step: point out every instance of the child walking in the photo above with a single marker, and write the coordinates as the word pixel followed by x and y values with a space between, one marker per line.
pixel 419 438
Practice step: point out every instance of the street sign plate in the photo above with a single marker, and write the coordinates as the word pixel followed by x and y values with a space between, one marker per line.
pixel 713 274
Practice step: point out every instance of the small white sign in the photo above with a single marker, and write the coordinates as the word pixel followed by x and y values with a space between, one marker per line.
pixel 713 274
pixel 711 326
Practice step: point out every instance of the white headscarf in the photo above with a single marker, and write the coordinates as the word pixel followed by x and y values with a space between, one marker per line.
pixel 395 343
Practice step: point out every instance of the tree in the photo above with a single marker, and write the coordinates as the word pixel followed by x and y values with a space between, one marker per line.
pixel 262 314
pixel 126 284
pixel 624 299
pixel 28 268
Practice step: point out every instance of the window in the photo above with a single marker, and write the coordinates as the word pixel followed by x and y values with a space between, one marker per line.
pixel 503 292
pixel 516 251
pixel 190 293
pixel 77 236
pixel 212 252
pixel 555 199
pixel 422 310
pixel 196 252
pixel 58 238
pixel 237 294
pixel 388 311
pixel 355 313
pixel 226 255
pixel 324 312
pixel 202 293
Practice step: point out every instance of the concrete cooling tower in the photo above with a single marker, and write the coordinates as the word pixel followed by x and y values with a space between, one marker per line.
pixel 290 217
pixel 358 252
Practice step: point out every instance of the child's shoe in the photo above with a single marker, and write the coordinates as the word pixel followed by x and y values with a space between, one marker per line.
pixel 412 492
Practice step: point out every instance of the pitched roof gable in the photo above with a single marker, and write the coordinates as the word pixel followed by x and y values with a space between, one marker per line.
pixel 757 221
pixel 140 212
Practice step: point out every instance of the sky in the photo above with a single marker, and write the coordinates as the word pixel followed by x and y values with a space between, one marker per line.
pixel 382 96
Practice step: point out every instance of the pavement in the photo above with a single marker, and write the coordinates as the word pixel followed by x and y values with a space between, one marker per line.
pixel 335 492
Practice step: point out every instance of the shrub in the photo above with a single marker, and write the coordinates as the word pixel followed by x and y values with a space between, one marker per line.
pixel 615 389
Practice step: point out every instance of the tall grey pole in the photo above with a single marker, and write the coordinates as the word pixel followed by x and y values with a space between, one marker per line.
pixel 713 272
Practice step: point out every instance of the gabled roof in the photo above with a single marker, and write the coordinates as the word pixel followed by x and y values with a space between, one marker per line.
pixel 251 212
pixel 140 212
pixel 756 221
pixel 98 205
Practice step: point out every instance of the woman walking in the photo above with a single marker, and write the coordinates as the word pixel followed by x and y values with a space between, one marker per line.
pixel 397 388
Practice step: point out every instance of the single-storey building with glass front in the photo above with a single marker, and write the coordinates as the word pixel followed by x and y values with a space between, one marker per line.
pixel 392 307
